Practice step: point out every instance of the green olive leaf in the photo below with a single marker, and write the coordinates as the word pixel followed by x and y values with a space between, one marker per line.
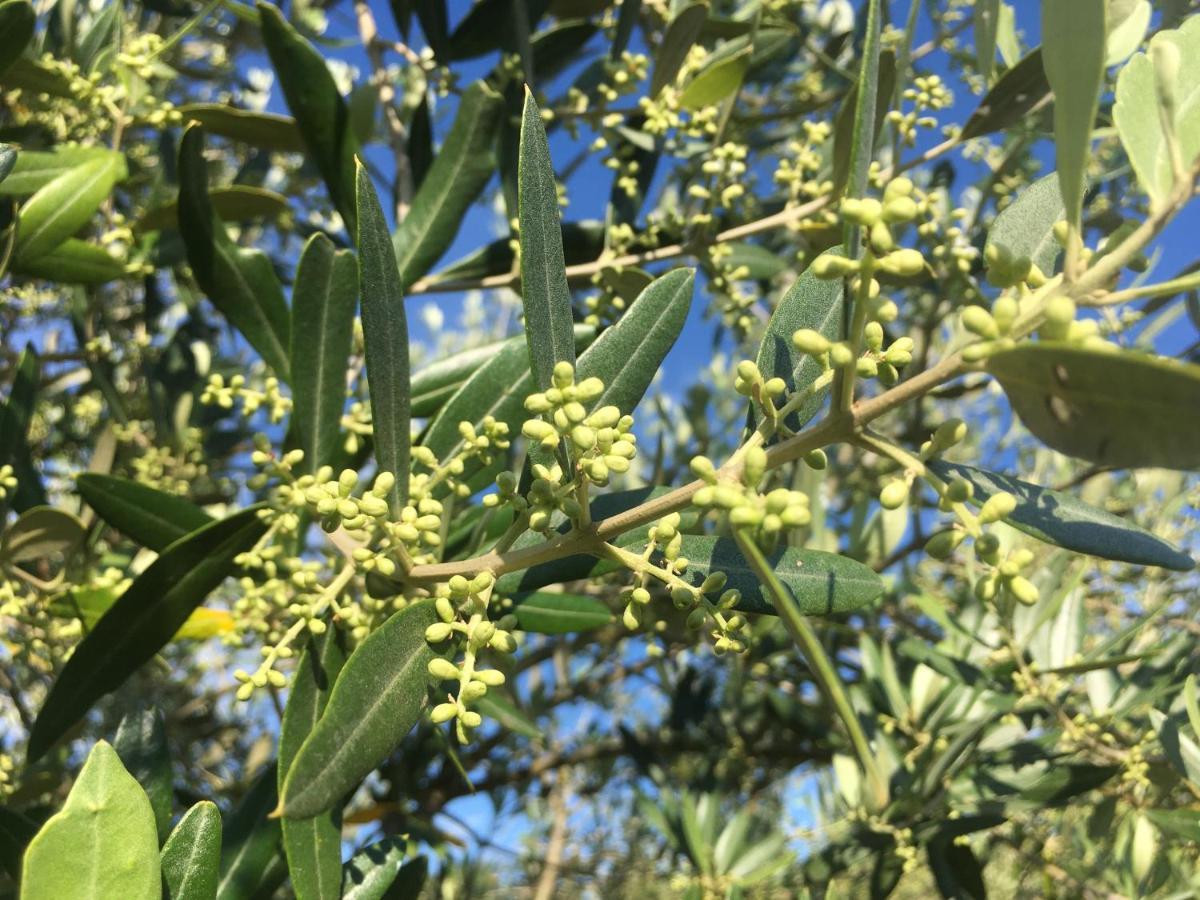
pixel 64 205
pixel 73 262
pixel 370 873
pixel 142 621
pixel 191 857
pixel 141 742
pixel 461 168
pixel 682 32
pixel 17 21
pixel 313 846
pixel 258 129
pixel 323 302
pixel 153 518
pixel 376 701
pixel 1118 409
pixel 320 111
pixel 39 533
pixel 385 336
pixel 240 282
pixel 102 843
pixel 720 78
pixel 251 861
pixel 1073 35
pixel 1065 521
pixel 544 291
pixel 1024 230
pixel 546 612
pixel 233 203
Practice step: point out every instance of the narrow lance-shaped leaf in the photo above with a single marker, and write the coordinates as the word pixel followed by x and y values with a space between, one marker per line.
pixel 376 701
pixel 191 857
pixel 863 144
pixel 549 612
pixel 251 863
pixel 986 23
pixel 1119 409
pixel 313 846
pixel 153 518
pixel 1058 518
pixel 460 169
pixel 73 262
pixel 102 843
pixel 1011 98
pixel 437 382
pixel 322 331
pixel 142 621
pixel 385 335
pixel 627 355
pixel 682 32
pixel 63 206
pixel 259 129
pixel 141 742
pixel 1073 35
pixel 544 291
pixel 812 303
pixel 320 111
pixel 16 831
pixel 240 282
pixel 8 161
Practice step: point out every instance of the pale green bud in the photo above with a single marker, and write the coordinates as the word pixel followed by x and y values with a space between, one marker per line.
pixel 473 690
pixel 830 266
pixel 443 712
pixel 894 494
pixel 755 465
pixel 564 374
pixel 490 677
pixel 1024 590
pixel 816 459
pixel 873 335
pixel 471 719
pixel 942 544
pixel 979 321
pixel 438 632
pixel 806 340
pixel 998 506
pixel 443 669
pixel 905 263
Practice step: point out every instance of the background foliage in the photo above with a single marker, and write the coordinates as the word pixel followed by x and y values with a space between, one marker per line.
pixel 583 449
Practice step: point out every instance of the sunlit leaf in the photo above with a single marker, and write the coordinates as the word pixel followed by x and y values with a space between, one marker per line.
pixel 191 857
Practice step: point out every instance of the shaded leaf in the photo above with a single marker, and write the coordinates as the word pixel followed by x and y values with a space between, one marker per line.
pixel 1073 35
pixel 259 129
pixel 16 413
pixel 496 704
pixel 1058 518
pixel 250 850
pixel 320 111
pixel 73 262
pixel 142 621
pixel 191 857
pixel 323 303
pixel 460 169
pixel 313 846
pixel 822 583
pixel 544 291
pixel 17 20
pixel 16 831
pixel 376 701
pixel 719 79
pixel 986 23
pixel 385 336
pixel 868 110
pixel 106 823
pixel 682 31
pixel 1120 409
pixel 437 382
pixel 546 612
pixel 141 743
pixel 39 533
pixel 153 518
pixel 240 282
pixel 234 203
pixel 1011 98
pixel 845 126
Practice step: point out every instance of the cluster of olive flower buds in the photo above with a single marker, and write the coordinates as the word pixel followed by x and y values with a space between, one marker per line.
pixel 217 393
pixel 8 481
pixel 762 515
pixel 462 606
pixel 334 502
pixel 878 361
pixel 602 439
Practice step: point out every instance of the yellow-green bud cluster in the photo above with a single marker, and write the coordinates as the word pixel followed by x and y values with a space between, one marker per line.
pixel 1005 576
pixel 334 502
pixel 8 481
pixel 464 627
pixel 763 516
pixel 217 393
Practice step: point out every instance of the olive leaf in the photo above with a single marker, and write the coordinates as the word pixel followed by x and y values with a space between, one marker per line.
pixel 320 111
pixel 1065 521
pixel 153 518
pixel 369 873
pixel 682 32
pixel 17 21
pixel 141 743
pixel 240 282
pixel 546 612
pixel 1120 409
pixel 39 533
pixel 1073 35
pixel 1024 230
pixel 62 206
pixel 462 166
pixel 34 169
pixel 73 262
pixel 251 862
pixel 385 337
pixel 323 302
pixel 313 846
pixel 191 857
pixel 1014 95
pixel 107 822
pixel 376 701
pixel 142 621
pixel 233 203
pixel 544 291
pixel 259 129
pixel 1137 110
